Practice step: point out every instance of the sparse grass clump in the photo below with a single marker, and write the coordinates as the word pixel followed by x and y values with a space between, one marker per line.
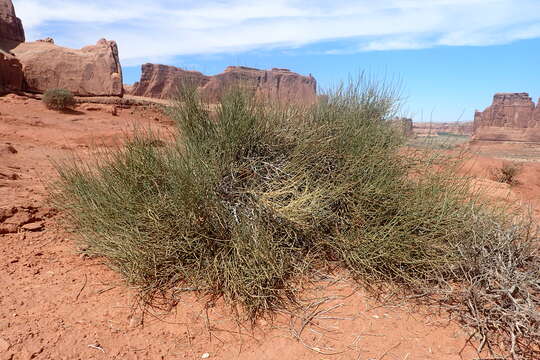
pixel 507 173
pixel 58 99
pixel 252 197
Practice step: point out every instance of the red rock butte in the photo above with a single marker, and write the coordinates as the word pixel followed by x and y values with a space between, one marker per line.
pixel 283 85
pixel 511 117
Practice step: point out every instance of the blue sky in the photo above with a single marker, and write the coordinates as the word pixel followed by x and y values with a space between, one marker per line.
pixel 450 55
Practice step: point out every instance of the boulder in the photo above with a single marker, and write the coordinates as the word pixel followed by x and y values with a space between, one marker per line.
pixel 283 85
pixel 91 71
pixel 11 28
pixel 511 117
pixel 11 75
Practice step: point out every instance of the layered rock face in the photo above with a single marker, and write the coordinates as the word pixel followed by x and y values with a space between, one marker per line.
pixel 160 81
pixel 511 117
pixel 11 28
pixel 91 71
pixel 280 85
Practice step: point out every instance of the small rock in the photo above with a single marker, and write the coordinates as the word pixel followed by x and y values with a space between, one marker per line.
pixel 7 213
pixel 36 226
pixel 135 321
pixel 11 149
pixel 205 356
pixel 8 229
pixel 19 218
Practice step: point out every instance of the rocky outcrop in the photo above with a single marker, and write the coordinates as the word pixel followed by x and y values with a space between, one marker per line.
pixel 280 85
pixel 511 117
pixel 11 34
pixel 11 28
pixel 91 71
pixel 11 75
pixel 160 81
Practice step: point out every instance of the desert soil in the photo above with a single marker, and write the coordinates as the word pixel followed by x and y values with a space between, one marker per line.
pixel 55 304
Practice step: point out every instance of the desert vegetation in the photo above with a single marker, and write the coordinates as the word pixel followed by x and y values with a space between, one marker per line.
pixel 248 199
pixel 58 99
pixel 507 173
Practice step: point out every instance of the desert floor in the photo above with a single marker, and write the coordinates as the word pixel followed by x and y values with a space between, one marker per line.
pixel 55 304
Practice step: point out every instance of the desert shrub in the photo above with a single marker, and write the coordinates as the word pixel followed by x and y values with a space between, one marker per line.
pixel 250 198
pixel 58 99
pixel 507 173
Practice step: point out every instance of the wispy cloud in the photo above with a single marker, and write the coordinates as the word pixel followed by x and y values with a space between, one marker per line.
pixel 162 29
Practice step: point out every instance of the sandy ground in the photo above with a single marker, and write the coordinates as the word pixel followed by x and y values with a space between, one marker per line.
pixel 55 304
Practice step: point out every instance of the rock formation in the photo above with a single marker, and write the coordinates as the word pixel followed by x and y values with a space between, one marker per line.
pixel 160 81
pixel 11 28
pixel 11 75
pixel 511 117
pixel 91 71
pixel 11 34
pixel 42 65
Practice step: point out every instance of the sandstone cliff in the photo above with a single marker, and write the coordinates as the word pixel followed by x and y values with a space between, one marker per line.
pixel 511 117
pixel 11 75
pixel 11 28
pixel 161 81
pixel 11 34
pixel 91 71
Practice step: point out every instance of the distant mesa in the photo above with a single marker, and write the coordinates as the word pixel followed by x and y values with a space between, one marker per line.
pixel 283 85
pixel 42 65
pixel 511 117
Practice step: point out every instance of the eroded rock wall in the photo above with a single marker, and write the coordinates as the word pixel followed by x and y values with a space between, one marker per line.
pixel 511 117
pixel 161 81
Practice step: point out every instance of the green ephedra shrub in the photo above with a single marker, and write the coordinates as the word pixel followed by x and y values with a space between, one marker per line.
pixel 58 99
pixel 251 196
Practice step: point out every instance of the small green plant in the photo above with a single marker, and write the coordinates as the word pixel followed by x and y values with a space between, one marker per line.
pixel 58 99
pixel 507 173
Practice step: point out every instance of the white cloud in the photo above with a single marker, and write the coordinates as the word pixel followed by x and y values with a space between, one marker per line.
pixel 161 29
